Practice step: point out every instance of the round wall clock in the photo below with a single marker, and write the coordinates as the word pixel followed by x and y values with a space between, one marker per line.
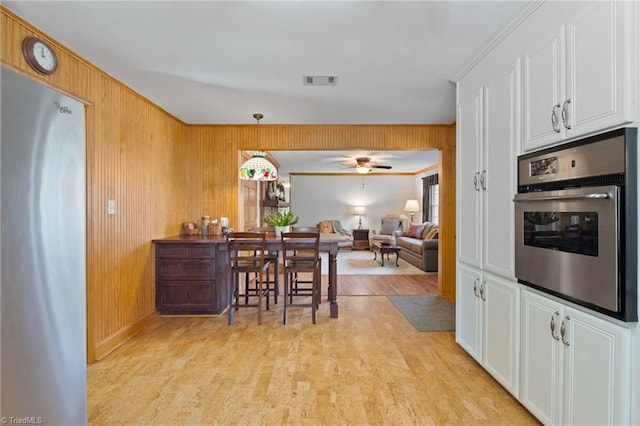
pixel 39 55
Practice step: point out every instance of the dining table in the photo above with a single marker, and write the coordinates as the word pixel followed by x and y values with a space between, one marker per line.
pixel 192 273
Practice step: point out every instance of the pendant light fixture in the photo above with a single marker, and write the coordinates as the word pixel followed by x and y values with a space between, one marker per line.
pixel 258 167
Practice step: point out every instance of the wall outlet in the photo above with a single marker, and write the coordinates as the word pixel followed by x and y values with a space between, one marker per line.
pixel 111 207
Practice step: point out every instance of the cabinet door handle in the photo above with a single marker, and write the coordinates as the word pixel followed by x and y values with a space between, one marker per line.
pixel 554 118
pixel 483 180
pixel 552 325
pixel 482 295
pixel 475 287
pixel 475 181
pixel 563 331
pixel 565 114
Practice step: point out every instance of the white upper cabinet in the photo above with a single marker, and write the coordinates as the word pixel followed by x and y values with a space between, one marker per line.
pixel 488 125
pixel 501 135
pixel 469 152
pixel 543 91
pixel 577 79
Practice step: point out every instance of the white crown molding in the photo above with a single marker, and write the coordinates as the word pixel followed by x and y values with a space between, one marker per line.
pixel 497 37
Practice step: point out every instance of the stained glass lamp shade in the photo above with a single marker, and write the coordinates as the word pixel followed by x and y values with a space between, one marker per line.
pixel 258 168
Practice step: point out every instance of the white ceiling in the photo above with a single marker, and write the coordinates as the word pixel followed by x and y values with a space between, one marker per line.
pixel 219 62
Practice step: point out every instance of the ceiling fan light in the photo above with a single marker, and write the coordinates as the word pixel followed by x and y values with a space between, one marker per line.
pixel 362 169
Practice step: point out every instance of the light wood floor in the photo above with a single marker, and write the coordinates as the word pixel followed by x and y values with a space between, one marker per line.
pixel 386 285
pixel 368 367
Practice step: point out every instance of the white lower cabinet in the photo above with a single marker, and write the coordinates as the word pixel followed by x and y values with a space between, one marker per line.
pixel 500 332
pixel 487 323
pixel 575 366
pixel 468 311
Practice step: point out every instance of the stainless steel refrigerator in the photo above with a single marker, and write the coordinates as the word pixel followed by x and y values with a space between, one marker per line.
pixel 43 270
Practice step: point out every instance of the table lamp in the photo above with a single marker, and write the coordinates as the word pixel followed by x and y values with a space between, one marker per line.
pixel 412 207
pixel 360 210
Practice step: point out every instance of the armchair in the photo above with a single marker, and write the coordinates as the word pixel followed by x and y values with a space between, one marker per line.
pixel 390 225
pixel 333 229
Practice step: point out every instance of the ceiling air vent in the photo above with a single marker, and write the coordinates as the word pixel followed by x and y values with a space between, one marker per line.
pixel 319 80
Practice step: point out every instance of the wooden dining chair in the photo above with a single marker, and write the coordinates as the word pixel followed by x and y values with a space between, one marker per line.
pixel 273 257
pixel 247 253
pixel 300 255
pixel 306 229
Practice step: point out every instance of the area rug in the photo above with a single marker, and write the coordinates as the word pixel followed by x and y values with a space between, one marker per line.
pixel 360 262
pixel 426 313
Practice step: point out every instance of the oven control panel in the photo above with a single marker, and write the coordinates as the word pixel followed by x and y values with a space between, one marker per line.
pixel 573 161
pixel 544 166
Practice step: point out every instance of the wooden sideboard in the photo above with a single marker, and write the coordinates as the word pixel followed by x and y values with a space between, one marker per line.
pixel 191 276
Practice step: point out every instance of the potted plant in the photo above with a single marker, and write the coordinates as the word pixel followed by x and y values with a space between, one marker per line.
pixel 281 221
pixel 541 220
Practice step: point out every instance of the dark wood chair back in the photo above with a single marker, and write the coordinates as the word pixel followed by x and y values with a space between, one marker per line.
pixel 301 255
pixel 247 253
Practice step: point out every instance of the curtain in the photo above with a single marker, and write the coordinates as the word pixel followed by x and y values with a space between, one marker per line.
pixel 427 183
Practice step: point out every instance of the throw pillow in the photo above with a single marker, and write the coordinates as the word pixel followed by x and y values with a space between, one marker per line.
pixel 415 230
pixel 428 226
pixel 389 226
pixel 326 227
pixel 432 234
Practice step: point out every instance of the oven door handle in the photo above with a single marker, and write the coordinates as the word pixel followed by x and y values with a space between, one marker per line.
pixel 522 198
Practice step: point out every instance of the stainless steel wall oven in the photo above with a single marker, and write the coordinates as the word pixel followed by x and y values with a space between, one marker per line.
pixel 576 222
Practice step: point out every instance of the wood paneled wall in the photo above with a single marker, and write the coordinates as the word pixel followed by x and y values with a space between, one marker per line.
pixel 161 172
pixel 214 182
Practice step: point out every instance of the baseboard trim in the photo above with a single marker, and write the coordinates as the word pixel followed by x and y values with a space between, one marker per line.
pixel 114 341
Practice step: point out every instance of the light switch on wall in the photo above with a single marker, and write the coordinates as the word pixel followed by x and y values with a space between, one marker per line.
pixel 111 207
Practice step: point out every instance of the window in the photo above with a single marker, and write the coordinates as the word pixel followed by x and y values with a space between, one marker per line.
pixel 433 203
pixel 430 198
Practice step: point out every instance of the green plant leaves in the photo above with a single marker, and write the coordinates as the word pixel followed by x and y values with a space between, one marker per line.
pixel 281 219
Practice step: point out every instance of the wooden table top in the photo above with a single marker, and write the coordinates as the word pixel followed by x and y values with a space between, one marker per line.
pixel 385 247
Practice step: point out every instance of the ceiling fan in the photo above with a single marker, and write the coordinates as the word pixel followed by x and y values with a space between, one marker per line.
pixel 364 165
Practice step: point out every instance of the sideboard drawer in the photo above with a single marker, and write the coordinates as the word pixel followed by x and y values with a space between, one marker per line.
pixel 176 297
pixel 167 268
pixel 185 250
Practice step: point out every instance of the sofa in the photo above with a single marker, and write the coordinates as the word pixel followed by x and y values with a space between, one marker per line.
pixel 419 245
